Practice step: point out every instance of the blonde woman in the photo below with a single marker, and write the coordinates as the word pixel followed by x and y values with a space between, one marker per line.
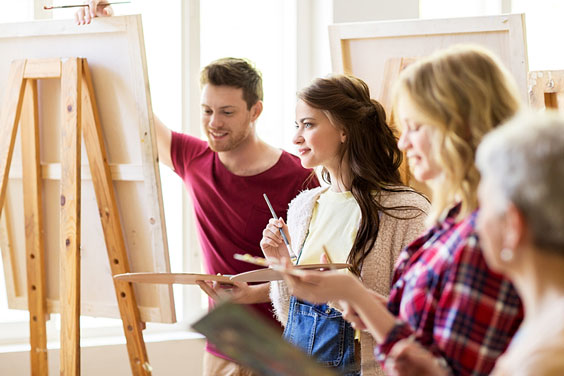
pixel 443 296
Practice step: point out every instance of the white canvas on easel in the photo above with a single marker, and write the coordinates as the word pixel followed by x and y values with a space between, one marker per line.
pixel 377 51
pixel 363 48
pixel 115 52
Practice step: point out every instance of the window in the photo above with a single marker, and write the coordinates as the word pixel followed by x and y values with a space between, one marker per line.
pixel 468 8
pixel 261 31
pixel 543 19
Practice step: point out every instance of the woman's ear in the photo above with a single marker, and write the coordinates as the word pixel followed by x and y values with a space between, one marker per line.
pixel 343 137
pixel 516 227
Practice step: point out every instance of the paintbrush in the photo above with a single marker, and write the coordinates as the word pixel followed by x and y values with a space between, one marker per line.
pixel 260 261
pixel 292 254
pixel 331 267
pixel 273 263
pixel 45 7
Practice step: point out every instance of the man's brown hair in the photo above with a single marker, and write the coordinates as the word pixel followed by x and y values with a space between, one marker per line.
pixel 235 72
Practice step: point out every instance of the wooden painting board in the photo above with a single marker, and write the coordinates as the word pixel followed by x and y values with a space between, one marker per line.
pixel 377 51
pixel 115 51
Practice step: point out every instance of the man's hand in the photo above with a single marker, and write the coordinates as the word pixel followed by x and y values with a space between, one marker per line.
pixel 95 8
pixel 238 292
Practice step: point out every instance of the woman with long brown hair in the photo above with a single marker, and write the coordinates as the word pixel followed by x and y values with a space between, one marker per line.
pixel 364 217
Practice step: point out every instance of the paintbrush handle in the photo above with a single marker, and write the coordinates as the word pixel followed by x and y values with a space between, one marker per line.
pixel 281 231
pixel 45 7
pixel 328 258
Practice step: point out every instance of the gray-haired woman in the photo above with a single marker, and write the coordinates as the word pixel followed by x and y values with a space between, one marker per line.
pixel 521 224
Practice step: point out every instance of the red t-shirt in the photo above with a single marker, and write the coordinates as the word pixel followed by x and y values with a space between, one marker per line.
pixel 230 210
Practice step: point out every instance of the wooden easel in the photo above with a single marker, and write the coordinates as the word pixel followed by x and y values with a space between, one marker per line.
pixel 392 69
pixel 544 88
pixel 80 113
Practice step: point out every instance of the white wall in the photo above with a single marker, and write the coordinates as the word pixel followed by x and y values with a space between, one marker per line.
pixel 180 356
pixel 466 8
pixel 543 19
pixel 374 10
pixel 315 16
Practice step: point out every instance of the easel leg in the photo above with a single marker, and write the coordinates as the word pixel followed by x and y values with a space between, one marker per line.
pixel 70 217
pixel 551 100
pixel 109 215
pixel 33 208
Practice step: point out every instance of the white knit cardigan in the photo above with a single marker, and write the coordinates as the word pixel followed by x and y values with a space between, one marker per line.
pixel 394 234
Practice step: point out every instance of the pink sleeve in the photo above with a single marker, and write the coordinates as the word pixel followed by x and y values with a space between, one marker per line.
pixel 183 149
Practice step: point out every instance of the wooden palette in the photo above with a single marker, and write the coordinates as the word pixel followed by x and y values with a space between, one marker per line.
pixel 266 275
pixel 170 278
pixel 259 275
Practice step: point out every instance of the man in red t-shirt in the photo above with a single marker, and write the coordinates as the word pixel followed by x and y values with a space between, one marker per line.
pixel 227 176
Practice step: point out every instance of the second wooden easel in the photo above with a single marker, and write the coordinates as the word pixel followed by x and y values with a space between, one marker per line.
pixel 80 115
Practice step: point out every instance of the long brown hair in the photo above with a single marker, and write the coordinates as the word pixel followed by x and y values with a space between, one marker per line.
pixel 370 150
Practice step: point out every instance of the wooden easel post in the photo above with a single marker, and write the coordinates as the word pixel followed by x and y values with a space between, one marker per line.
pixel 544 88
pixel 392 69
pixel 35 252
pixel 111 224
pixel 69 273
pixel 35 263
pixel 79 110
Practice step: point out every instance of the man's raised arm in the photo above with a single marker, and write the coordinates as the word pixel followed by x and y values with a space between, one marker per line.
pixel 164 137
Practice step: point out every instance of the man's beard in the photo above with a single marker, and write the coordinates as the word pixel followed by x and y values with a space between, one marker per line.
pixel 231 142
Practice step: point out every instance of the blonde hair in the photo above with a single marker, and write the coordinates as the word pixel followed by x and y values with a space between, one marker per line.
pixel 463 92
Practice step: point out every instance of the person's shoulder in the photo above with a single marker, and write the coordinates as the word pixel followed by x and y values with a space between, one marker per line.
pixel 544 358
pixel 462 243
pixel 187 138
pixel 289 160
pixel 187 146
pixel 307 196
pixel 544 365
pixel 466 229
pixel 289 168
pixel 403 197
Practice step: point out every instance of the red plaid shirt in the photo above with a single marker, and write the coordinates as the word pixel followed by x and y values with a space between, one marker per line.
pixel 445 296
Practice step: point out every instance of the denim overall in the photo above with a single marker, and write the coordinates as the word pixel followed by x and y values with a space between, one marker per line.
pixel 320 331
